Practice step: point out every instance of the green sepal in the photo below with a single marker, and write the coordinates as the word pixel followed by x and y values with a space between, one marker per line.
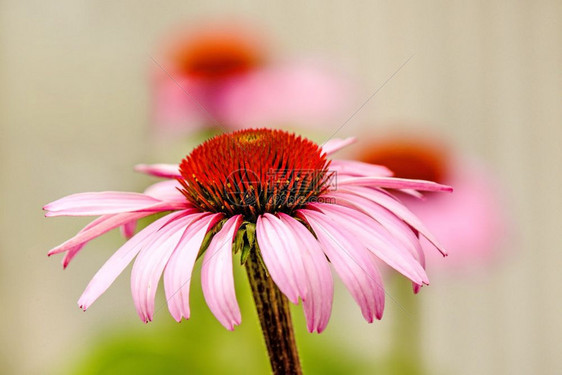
pixel 249 242
pixel 251 234
pixel 246 250
pixel 239 241
pixel 209 236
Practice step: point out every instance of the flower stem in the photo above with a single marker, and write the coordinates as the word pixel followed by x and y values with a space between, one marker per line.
pixel 275 319
pixel 406 343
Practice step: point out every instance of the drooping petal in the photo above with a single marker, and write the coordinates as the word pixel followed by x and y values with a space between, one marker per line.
pixel 396 226
pixel 128 229
pixel 119 260
pixel 393 224
pixel 359 169
pixel 336 144
pixel 394 183
pixel 96 228
pixel 377 239
pixel 390 203
pixel 471 222
pixel 284 262
pixel 178 271
pixel 70 254
pixel 318 302
pixel 151 261
pixel 108 202
pixel 217 279
pixel 159 170
pixel 353 263
pixel 75 249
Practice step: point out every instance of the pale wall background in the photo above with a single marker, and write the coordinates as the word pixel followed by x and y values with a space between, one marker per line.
pixel 73 112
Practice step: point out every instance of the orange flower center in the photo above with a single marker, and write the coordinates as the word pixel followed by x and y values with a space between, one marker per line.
pixel 409 159
pixel 254 171
pixel 218 54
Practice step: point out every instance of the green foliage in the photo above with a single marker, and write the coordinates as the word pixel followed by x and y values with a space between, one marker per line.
pixel 202 346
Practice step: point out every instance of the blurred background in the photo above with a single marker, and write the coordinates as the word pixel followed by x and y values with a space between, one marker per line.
pixel 76 113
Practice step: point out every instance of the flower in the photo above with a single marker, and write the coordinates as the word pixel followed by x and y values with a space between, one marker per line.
pixel 471 222
pixel 267 190
pixel 223 75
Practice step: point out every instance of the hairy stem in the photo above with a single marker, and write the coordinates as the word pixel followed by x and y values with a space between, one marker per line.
pixel 275 319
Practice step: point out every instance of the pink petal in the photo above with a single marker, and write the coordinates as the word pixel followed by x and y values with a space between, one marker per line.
pixel 128 229
pixel 72 251
pixel 290 93
pixel 217 278
pixel 353 263
pixel 395 226
pixel 336 144
pixel 151 261
pixel 109 202
pixel 180 105
pixel 377 239
pixel 284 262
pixel 165 191
pixel 159 170
pixel 394 183
pixel 358 169
pixel 471 223
pixel 105 197
pixel 390 203
pixel 96 228
pixel 413 193
pixel 178 271
pixel 119 260
pixel 318 302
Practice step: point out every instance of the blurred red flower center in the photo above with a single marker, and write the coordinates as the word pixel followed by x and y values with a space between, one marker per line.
pixel 409 159
pixel 254 171
pixel 218 54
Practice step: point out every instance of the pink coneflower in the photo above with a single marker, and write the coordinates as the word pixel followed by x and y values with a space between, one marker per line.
pixel 276 199
pixel 471 222
pixel 223 75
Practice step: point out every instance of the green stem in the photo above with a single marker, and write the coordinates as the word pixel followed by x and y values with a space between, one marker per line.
pixel 406 339
pixel 275 319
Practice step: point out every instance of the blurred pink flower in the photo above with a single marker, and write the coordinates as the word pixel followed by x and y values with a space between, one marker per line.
pixel 267 190
pixel 470 223
pixel 222 76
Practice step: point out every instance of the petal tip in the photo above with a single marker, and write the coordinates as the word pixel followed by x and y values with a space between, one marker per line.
pixel 53 251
